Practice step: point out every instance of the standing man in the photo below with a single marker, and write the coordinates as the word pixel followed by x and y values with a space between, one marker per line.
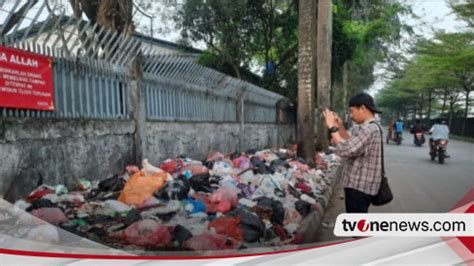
pixel 362 170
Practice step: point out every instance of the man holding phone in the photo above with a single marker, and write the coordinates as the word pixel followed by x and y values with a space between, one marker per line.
pixel 362 149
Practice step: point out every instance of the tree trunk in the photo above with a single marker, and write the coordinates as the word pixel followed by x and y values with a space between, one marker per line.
pixel 306 79
pixel 421 107
pixel 451 109
pixel 445 99
pixel 324 45
pixel 466 113
pixel 430 100
pixel 345 77
pixel 236 70
pixel 405 116
pixel 336 88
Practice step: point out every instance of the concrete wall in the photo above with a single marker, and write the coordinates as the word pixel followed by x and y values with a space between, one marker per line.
pixel 166 140
pixel 62 151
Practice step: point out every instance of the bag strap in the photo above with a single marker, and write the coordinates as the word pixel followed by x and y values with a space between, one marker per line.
pixel 381 145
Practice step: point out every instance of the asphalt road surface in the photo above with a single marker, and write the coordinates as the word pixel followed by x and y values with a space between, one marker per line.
pixel 418 184
pixel 422 185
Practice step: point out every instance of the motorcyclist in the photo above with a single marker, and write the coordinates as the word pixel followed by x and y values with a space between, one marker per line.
pixel 439 131
pixel 417 128
pixel 391 126
pixel 398 126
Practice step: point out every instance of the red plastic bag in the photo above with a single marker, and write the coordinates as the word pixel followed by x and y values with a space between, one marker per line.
pixel 141 187
pixel 171 166
pixel 227 226
pixel 195 170
pixel 241 162
pixel 146 233
pixel 51 215
pixel 208 241
pixel 221 200
pixel 39 192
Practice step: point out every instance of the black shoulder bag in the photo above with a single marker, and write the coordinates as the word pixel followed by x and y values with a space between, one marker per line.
pixel 384 195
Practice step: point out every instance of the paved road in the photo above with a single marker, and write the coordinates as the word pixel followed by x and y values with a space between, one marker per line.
pixel 418 184
pixel 421 185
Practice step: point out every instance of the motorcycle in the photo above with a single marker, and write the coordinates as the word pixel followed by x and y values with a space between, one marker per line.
pixel 419 139
pixel 396 137
pixel 438 149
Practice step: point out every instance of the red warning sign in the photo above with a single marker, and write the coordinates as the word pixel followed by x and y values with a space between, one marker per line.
pixel 26 80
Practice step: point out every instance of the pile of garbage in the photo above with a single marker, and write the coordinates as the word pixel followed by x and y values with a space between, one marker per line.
pixel 257 198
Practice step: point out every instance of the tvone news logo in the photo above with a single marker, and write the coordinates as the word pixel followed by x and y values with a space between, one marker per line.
pixel 361 225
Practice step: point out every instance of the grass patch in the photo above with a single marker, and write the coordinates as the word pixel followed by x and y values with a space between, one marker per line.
pixel 461 138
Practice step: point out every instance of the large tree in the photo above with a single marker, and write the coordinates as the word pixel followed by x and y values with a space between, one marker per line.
pixel 306 79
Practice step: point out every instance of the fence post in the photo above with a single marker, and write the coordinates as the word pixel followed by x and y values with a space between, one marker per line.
pixel 240 114
pixel 136 103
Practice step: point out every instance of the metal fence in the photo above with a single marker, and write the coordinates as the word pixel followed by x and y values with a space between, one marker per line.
pixel 91 79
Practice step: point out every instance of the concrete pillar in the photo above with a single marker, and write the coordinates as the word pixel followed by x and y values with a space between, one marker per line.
pixel 136 103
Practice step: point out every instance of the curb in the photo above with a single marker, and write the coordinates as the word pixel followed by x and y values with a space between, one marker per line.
pixel 310 225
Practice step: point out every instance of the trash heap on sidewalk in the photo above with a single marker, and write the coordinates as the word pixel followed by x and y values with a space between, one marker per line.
pixel 251 199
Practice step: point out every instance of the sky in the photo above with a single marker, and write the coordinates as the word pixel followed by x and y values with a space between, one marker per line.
pixel 432 15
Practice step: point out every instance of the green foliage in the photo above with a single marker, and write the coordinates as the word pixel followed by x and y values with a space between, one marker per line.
pixel 441 66
pixel 239 34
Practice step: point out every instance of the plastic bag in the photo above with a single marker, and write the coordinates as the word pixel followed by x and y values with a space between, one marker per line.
pixel 291 216
pixel 151 201
pixel 39 192
pixel 195 170
pixel 253 228
pixel 149 169
pixel 41 203
pixel 171 166
pixel 194 206
pixel 72 198
pixel 116 206
pixel 83 184
pixel 51 215
pixel 320 163
pixel 60 189
pixel 140 187
pixel 22 205
pixel 222 168
pixel 114 183
pixel 227 226
pixel 267 155
pixel 132 169
pixel 181 234
pixel 222 200
pixel 241 162
pixel 174 189
pixel 132 216
pixel 201 183
pixel 45 234
pixel 146 233
pixel 298 165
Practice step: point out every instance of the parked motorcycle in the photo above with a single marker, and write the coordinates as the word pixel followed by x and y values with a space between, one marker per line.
pixel 438 149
